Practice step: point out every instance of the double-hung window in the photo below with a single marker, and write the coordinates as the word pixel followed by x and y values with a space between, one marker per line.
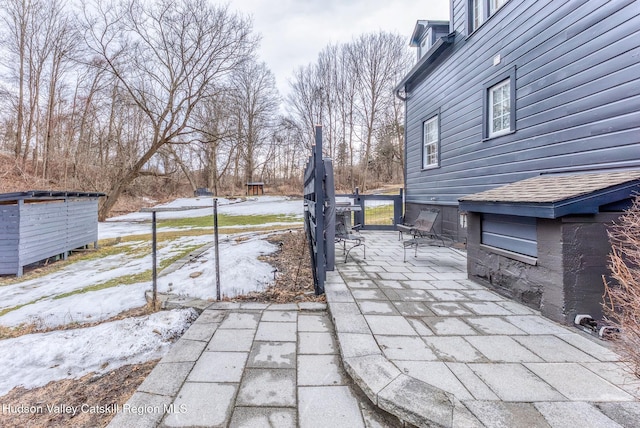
pixel 500 108
pixel 431 142
pixel 500 105
pixel 481 10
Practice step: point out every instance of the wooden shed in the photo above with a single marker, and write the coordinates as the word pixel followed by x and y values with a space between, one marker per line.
pixel 255 188
pixel 36 225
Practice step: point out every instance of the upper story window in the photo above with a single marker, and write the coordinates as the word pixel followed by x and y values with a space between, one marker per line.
pixel 476 8
pixel 431 142
pixel 500 104
pixel 481 10
pixel 500 108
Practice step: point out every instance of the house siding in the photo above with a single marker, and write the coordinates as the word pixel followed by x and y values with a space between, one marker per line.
pixel 577 98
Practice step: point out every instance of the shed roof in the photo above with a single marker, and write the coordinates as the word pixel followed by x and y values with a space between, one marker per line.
pixel 47 194
pixel 552 196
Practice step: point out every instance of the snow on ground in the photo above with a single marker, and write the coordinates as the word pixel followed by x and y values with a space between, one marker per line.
pixel 240 271
pixel 34 360
pixel 139 223
pixel 86 273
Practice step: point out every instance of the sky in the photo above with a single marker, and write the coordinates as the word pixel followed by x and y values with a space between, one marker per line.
pixel 295 31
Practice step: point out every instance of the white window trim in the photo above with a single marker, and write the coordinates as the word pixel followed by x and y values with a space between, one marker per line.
pixel 426 143
pixel 479 16
pixel 490 95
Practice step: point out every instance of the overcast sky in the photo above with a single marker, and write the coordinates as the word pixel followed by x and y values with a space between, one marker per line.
pixel 295 31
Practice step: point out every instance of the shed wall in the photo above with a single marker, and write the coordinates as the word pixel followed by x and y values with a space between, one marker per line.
pixel 36 230
pixel 9 230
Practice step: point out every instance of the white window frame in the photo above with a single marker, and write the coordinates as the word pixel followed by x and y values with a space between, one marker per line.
pixel 494 5
pixel 477 14
pixel 499 108
pixel 430 143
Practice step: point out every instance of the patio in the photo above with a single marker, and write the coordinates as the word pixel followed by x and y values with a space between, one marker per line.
pixel 432 347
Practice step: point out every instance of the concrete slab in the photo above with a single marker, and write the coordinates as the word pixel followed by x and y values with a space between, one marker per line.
pixel 578 383
pixel 319 406
pixel 436 374
pixel 448 326
pixel 211 316
pixel 413 309
pixel 368 294
pixel 241 320
pixel 277 355
pixel 534 324
pixel 590 346
pixel 317 370
pixel 316 343
pixel 372 307
pixel 371 373
pixel 362 283
pixel 487 308
pixel 449 309
pixel 410 295
pixel 502 349
pixel 142 410
pixel 483 295
pixel 276 331
pixel 493 325
pixel 202 404
pixel 553 349
pixel 514 382
pixel 312 306
pixel 418 281
pixel 454 348
pixel 219 367
pixel 405 348
pixel 314 322
pixel 254 306
pixel 391 284
pixel 231 340
pixel 448 296
pixel 472 382
pixel 390 325
pixel 283 307
pixel 357 345
pixel 623 413
pixel 497 414
pixel 575 414
pixel 391 276
pixel 351 324
pixel 417 402
pixel 202 332
pixel 268 388
pixel 279 316
pixel 618 374
pixel 184 351
pixel 166 378
pixel 517 308
pixel 420 327
pixel 251 417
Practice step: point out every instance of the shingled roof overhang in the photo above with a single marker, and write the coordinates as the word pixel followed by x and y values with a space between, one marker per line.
pixel 553 196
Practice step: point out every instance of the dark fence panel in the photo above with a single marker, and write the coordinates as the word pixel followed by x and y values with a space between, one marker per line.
pixel 319 213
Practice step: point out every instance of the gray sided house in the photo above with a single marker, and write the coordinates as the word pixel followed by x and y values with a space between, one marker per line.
pixel 523 129
pixel 37 225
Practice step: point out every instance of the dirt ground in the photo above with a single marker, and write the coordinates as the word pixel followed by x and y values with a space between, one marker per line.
pixel 97 395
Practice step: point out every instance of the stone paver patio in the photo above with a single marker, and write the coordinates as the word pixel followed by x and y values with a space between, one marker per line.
pixel 419 339
pixel 430 346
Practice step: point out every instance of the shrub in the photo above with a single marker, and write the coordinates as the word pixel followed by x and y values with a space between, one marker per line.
pixel 622 296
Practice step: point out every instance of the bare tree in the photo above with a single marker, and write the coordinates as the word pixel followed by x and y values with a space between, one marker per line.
pixel 256 100
pixel 167 55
